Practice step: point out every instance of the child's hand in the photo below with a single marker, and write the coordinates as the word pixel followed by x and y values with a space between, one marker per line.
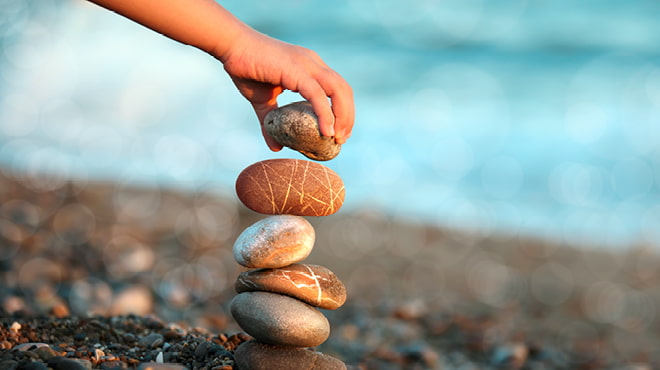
pixel 262 67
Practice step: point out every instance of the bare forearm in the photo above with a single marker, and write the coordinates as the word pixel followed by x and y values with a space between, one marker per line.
pixel 203 24
pixel 260 66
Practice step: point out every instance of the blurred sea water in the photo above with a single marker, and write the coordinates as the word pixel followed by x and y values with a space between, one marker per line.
pixel 533 117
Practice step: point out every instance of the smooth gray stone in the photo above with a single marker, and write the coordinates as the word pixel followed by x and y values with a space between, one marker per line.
pixel 253 355
pixel 279 320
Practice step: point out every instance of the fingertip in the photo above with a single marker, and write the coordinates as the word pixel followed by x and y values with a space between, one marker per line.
pixel 273 145
pixel 327 130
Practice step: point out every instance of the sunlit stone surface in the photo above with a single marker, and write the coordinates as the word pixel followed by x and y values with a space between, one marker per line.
pixel 290 186
pixel 296 126
pixel 312 284
pixel 275 241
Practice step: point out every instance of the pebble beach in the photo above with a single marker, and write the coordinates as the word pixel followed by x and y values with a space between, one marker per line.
pixel 98 275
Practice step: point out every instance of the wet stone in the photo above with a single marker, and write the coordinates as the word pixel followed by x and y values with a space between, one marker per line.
pixel 279 320
pixel 296 126
pixel 312 284
pixel 253 355
pixel 274 241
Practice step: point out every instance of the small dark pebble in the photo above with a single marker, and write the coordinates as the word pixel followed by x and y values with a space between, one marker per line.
pixel 36 365
pixel 45 353
pixel 8 365
pixel 203 349
pixel 113 365
pixel 152 340
pixel 63 363
pixel 130 338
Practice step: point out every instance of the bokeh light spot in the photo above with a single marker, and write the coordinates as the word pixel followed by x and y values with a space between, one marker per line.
pixel 632 178
pixel 125 256
pixel 181 157
pixel 502 177
pixel 135 203
pixel 604 302
pixel 577 183
pixel 74 223
pixel 552 284
pixel 452 158
pixel 587 122
pixel 90 296
pixel 489 280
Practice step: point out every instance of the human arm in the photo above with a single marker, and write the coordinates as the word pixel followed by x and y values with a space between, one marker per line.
pixel 260 66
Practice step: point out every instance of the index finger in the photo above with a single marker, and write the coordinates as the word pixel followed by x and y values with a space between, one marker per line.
pixel 343 106
pixel 316 95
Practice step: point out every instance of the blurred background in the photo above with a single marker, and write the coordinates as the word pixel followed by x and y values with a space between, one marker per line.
pixel 505 163
pixel 539 118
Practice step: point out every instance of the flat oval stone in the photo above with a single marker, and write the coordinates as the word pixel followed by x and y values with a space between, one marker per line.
pixel 290 186
pixel 312 284
pixel 252 355
pixel 274 241
pixel 296 126
pixel 279 320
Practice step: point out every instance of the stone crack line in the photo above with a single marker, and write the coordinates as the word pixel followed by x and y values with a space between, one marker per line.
pixel 252 284
pixel 318 284
pixel 289 186
pixel 332 198
pixel 304 178
pixel 270 186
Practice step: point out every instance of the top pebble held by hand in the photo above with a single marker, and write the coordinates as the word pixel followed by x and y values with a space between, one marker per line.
pixel 296 126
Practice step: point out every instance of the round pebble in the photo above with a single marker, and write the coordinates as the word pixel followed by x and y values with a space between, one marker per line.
pixel 253 355
pixel 35 365
pixel 275 241
pixel 8 365
pixel 296 126
pixel 312 284
pixel 63 363
pixel 279 320
pixel 153 340
pixel 290 186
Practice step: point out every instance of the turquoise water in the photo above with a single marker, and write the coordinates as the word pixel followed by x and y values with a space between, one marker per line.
pixel 533 117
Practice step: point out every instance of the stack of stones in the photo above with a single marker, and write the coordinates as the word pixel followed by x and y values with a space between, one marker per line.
pixel 278 297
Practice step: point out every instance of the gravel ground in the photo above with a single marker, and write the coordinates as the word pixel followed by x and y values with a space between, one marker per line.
pixel 112 275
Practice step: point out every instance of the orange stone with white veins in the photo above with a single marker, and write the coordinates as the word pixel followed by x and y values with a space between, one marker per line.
pixel 312 284
pixel 290 186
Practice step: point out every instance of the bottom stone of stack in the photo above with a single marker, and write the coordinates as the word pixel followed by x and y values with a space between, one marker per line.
pixel 279 320
pixel 253 355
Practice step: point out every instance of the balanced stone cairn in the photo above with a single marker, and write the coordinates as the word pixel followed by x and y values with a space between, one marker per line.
pixel 278 297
